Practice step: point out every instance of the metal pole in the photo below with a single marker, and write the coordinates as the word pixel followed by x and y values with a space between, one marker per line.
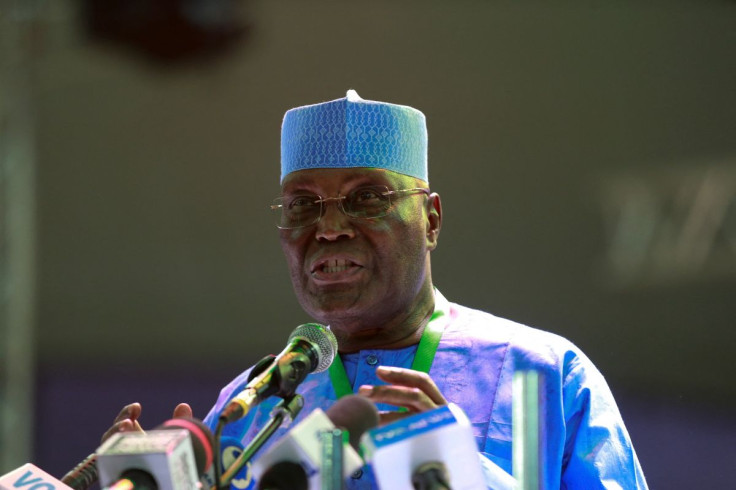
pixel 525 430
pixel 332 459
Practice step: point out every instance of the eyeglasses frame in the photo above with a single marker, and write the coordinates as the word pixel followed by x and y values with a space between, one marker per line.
pixel 399 193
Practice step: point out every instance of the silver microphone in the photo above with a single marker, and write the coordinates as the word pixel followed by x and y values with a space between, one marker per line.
pixel 311 348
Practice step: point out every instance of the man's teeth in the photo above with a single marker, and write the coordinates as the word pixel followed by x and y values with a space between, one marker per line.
pixel 336 265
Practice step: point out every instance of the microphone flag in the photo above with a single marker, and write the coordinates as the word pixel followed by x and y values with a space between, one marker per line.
pixel 167 455
pixel 443 435
pixel 29 477
pixel 302 445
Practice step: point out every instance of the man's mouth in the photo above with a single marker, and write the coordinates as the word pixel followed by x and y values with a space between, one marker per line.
pixel 331 269
pixel 336 265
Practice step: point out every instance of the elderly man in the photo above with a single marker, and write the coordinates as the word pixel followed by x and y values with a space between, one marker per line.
pixel 357 223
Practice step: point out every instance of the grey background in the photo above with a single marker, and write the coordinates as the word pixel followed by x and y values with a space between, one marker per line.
pixel 160 276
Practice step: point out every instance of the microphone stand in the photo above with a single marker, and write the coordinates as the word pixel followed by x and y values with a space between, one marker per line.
pixel 287 409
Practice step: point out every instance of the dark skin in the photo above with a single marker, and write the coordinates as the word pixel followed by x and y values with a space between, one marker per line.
pixel 385 298
pixel 127 419
pixel 369 279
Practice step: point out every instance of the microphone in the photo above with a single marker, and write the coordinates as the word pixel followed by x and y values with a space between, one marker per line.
pixel 355 414
pixel 84 475
pixel 352 415
pixel 284 475
pixel 173 456
pixel 301 445
pixel 430 476
pixel 311 348
pixel 30 476
pixel 435 448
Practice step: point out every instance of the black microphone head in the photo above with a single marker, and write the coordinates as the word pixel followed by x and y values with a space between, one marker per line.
pixel 322 338
pixel 356 414
pixel 202 440
pixel 430 476
pixel 284 475
pixel 140 479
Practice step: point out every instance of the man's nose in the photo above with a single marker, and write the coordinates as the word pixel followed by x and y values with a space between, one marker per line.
pixel 334 224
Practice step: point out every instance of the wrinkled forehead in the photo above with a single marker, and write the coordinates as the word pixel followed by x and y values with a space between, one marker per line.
pixel 333 181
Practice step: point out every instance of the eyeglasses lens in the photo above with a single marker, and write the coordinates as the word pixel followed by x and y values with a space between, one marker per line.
pixel 298 211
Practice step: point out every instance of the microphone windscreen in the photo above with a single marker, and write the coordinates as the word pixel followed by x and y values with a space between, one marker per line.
pixel 284 475
pixel 356 414
pixel 320 336
pixel 202 440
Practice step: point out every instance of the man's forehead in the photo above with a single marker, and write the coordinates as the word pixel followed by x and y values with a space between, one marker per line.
pixel 330 177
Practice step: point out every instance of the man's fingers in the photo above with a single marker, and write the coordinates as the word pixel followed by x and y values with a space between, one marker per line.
pixel 183 410
pixel 412 379
pixel 388 417
pixel 132 412
pixel 126 421
pixel 401 396
pixel 125 425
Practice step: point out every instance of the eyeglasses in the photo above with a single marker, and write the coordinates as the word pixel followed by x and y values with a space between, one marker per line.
pixel 374 201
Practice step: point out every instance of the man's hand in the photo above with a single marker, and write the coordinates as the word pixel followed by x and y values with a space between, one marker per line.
pixel 127 419
pixel 406 388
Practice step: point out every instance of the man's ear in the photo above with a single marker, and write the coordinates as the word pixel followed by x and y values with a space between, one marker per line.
pixel 434 220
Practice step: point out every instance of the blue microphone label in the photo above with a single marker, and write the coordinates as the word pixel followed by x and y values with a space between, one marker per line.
pixel 412 426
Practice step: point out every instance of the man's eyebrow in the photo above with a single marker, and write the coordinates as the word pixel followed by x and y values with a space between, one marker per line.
pixel 367 181
pixel 298 190
pixel 377 178
pixel 349 183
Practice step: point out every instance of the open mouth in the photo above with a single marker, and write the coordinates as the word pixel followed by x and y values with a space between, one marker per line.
pixel 334 268
pixel 336 265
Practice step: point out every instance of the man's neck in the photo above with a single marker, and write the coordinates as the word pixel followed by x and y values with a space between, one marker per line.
pixel 400 331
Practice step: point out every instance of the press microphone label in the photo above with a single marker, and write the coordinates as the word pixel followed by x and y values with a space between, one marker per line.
pixel 155 441
pixel 30 477
pixel 413 426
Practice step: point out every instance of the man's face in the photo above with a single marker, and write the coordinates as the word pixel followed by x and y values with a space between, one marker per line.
pixel 359 275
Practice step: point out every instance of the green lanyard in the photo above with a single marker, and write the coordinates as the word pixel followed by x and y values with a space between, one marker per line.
pixel 422 360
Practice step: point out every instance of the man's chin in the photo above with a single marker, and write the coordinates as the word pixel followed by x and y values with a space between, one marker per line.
pixel 333 307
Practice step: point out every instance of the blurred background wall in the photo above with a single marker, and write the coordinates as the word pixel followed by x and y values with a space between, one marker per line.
pixel 585 153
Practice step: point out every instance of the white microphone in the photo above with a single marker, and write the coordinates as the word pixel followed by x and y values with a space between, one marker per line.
pixel 29 477
pixel 171 457
pixel 311 348
pixel 436 448
pixel 303 445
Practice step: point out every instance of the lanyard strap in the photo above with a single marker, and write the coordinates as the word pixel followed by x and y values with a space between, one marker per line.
pixel 422 359
pixel 339 378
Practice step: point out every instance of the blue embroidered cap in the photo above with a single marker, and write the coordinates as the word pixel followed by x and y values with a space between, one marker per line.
pixel 352 132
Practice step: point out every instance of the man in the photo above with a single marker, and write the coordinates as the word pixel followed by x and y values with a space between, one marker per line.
pixel 357 225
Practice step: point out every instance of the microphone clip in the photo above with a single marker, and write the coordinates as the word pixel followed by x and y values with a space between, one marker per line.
pixel 287 409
